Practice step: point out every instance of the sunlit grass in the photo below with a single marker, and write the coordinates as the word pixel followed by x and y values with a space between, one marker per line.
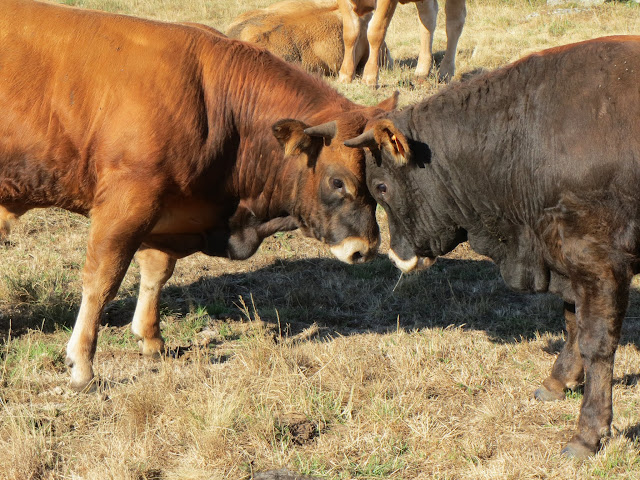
pixel 291 359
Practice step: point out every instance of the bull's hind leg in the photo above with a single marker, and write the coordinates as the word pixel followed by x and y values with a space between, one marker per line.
pixel 567 371
pixel 156 268
pixel 456 12
pixel 117 227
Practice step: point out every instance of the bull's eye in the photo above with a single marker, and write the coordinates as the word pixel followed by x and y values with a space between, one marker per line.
pixel 381 188
pixel 337 184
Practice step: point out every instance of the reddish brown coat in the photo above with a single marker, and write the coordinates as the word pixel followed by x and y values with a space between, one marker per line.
pixel 174 139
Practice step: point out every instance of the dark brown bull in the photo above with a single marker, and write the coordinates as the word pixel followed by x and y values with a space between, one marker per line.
pixel 538 165
pixel 173 139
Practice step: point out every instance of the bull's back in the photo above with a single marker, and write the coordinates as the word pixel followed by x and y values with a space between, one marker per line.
pixel 571 112
pixel 83 92
pixel 589 110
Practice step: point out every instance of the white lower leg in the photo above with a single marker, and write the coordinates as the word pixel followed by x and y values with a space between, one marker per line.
pixel 82 344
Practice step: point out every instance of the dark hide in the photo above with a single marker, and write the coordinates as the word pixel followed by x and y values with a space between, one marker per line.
pixel 538 163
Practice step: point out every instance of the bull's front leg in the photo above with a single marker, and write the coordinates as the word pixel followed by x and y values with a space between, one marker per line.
pixel 117 227
pixel 568 370
pixel 156 267
pixel 600 308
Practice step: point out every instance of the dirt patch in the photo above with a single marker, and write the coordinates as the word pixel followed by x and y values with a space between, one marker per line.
pixel 298 428
pixel 282 474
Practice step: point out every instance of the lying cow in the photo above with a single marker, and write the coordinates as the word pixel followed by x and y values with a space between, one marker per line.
pixel 174 140
pixel 538 165
pixel 357 27
pixel 304 32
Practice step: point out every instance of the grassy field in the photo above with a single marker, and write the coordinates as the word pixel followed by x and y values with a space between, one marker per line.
pixel 292 359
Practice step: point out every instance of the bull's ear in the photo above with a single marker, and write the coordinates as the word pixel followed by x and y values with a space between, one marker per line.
pixel 384 135
pixel 390 103
pixel 293 137
pixel 389 138
pixel 290 134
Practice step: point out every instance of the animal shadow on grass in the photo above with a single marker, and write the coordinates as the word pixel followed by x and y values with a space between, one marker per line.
pixel 632 432
pixel 410 63
pixel 351 299
pixel 372 297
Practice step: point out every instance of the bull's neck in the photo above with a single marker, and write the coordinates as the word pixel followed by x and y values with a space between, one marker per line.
pixel 475 132
pixel 261 90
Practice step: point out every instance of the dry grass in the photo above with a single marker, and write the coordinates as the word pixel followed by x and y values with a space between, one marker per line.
pixel 291 359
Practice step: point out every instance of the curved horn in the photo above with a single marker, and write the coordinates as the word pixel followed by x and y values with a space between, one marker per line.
pixel 366 139
pixel 325 130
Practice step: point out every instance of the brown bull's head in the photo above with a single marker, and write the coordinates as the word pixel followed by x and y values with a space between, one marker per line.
pixel 330 197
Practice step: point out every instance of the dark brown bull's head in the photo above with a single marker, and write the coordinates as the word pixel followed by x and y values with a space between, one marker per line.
pixel 398 181
pixel 330 197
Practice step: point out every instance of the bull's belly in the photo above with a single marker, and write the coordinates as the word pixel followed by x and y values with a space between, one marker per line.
pixel 187 226
pixel 216 242
pixel 188 217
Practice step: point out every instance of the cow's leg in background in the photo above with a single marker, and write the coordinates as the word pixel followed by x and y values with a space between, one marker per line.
pixel 567 371
pixel 455 11
pixel 117 226
pixel 600 308
pixel 428 14
pixel 156 267
pixel 376 33
pixel 354 35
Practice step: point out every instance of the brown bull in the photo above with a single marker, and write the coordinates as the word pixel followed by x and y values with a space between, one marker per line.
pixel 356 15
pixel 173 139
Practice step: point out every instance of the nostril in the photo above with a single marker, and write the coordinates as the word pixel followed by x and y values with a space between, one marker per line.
pixel 357 257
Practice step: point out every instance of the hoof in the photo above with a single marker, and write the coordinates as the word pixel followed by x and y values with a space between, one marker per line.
pixel 371 81
pixel 343 78
pixel 82 379
pixel 577 450
pixel 543 394
pixel 151 347
pixel 84 387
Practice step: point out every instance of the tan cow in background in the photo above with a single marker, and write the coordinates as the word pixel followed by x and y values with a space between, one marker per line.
pixel 357 26
pixel 305 32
